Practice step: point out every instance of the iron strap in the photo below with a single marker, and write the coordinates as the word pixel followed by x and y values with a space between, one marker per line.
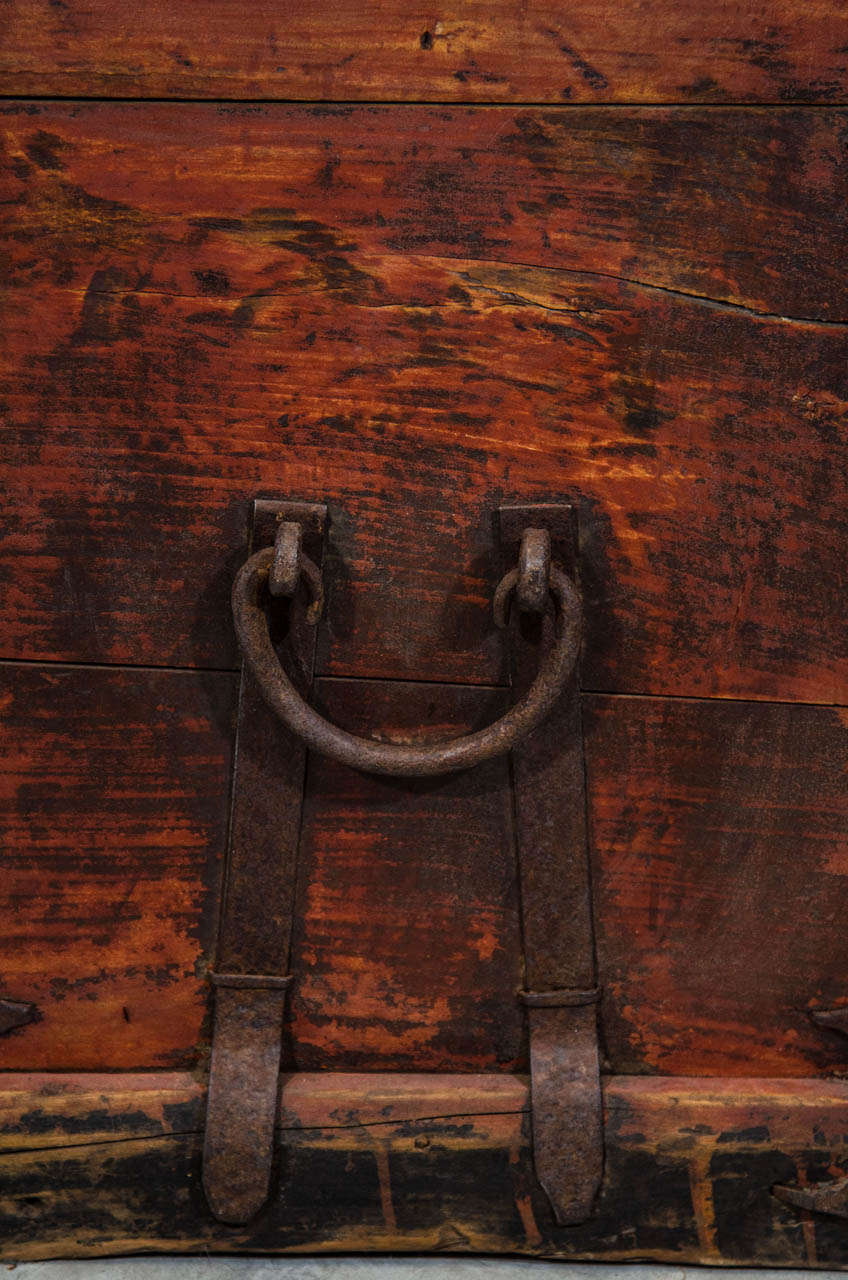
pixel 251 977
pixel 560 995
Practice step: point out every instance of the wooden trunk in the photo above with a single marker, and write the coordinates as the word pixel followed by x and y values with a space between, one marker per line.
pixel 417 267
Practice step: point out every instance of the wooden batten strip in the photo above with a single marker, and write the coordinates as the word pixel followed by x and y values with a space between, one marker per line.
pixel 420 1162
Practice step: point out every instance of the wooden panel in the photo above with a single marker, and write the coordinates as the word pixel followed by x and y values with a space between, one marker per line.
pixel 719 836
pixel 416 314
pixel 594 50
pixel 720 860
pixel 114 793
pixel 417 1163
pixel 407 947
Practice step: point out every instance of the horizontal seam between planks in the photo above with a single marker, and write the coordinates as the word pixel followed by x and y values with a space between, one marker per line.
pixel 424 103
pixel 53 664
pixel 485 686
pixel 715 698
pixel 50 664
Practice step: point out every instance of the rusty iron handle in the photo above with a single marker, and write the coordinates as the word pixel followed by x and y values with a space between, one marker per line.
pixel 391 758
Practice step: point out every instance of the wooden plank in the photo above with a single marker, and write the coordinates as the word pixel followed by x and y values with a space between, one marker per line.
pixel 417 1162
pixel 218 200
pixel 407 943
pixel 114 792
pixel 410 314
pixel 39 1110
pixel 719 837
pixel 719 869
pixel 595 50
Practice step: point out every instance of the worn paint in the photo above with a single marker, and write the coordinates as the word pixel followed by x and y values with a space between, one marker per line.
pixel 504 52
pixel 719 839
pixel 416 1163
pixel 439 335
pixel 114 795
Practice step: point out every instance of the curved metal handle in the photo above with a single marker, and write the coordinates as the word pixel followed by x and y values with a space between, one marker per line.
pixel 534 580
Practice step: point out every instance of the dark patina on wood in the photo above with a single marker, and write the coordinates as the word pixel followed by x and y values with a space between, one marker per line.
pixel 640 308
pixel 410 1163
pixel 500 51
pixel 429 311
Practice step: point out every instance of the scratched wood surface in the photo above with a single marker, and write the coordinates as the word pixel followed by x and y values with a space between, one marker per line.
pixel 407 941
pixel 113 797
pixel 420 1163
pixel 719 839
pixel 718 833
pixel 416 313
pixel 502 51
pixel 719 842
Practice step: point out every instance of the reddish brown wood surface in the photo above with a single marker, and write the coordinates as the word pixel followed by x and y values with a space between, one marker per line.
pixel 407 944
pixel 719 838
pixel 719 835
pixel 400 1163
pixel 417 313
pixel 113 792
pixel 508 51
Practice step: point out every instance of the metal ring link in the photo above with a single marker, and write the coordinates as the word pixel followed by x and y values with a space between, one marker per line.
pixel 391 758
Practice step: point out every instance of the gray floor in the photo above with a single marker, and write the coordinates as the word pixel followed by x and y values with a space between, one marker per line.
pixel 402 1268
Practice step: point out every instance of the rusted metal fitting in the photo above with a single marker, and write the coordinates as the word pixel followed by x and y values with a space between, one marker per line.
pixel 16 1013
pixel 252 981
pixel 243 1083
pixel 566 1099
pixel 534 571
pixel 822 1197
pixel 531 581
pixel 289 562
pixel 284 573
pixel 833 1019
pixel 566 1105
pixel 387 757
pixel 286 563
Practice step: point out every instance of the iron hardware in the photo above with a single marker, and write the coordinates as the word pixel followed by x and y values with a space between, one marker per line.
pixel 277 724
pixel 531 589
pixel 252 976
pixel 833 1019
pixel 821 1197
pixel 16 1013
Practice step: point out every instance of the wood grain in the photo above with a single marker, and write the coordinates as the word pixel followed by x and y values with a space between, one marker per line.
pixel 595 51
pixel 407 946
pixel 412 1163
pixel 719 837
pixel 113 787
pixel 719 840
pixel 416 314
